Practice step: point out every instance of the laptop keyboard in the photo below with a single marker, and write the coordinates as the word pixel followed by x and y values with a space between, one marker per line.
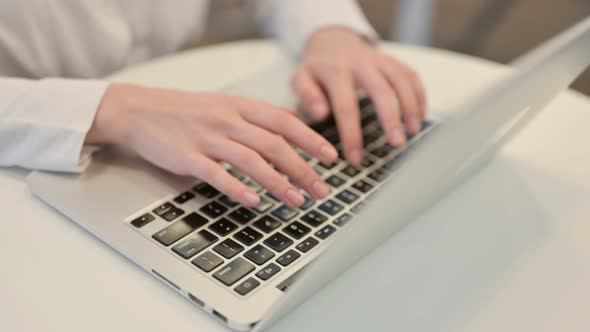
pixel 244 248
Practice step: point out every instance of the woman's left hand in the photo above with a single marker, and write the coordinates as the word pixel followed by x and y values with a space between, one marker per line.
pixel 335 63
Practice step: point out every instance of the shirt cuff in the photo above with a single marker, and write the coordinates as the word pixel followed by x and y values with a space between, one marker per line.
pixel 293 22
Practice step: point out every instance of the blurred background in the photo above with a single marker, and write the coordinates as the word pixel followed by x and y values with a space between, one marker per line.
pixel 499 30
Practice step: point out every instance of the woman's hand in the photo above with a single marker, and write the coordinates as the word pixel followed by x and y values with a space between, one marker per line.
pixel 336 63
pixel 189 133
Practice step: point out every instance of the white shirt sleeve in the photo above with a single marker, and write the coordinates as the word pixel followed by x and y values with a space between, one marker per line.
pixel 43 123
pixel 293 22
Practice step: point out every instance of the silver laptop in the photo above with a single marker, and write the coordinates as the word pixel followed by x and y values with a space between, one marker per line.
pixel 250 267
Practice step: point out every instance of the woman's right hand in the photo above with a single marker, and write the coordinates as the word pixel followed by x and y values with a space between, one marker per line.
pixel 188 133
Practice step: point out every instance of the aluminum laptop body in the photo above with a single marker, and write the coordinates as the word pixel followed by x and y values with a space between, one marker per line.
pixel 110 199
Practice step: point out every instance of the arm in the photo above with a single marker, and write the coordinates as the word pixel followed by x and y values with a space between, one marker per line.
pixel 43 123
pixel 336 61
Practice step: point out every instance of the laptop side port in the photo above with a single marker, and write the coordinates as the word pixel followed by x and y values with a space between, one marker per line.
pixel 166 280
pixel 219 315
pixel 196 300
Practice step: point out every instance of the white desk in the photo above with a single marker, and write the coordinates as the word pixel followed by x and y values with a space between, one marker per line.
pixel 508 251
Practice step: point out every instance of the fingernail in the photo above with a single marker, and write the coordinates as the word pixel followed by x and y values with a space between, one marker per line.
pixel 328 153
pixel 251 198
pixel 294 197
pixel 399 137
pixel 356 156
pixel 320 189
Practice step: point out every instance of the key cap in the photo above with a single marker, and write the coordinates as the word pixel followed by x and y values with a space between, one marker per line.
pixel 379 175
pixel 223 227
pixel 142 220
pixel 307 244
pixel 362 186
pixel 255 186
pixel 267 224
pixel 195 244
pixel 331 207
pixel 228 248
pixel 366 163
pixel 347 196
pixel 160 210
pixel 278 242
pixel 271 196
pixel 335 181
pixel 307 203
pixel 288 257
pixel 207 261
pixel 350 171
pixel 179 229
pixel 325 232
pixel 343 219
pixel 225 200
pixel 296 230
pixel 382 151
pixel 234 271
pixel 172 214
pixel 357 208
pixel 213 209
pixel 264 205
pixel 206 190
pixel 259 254
pixel 268 271
pixel 247 286
pixel 184 197
pixel 242 215
pixel 285 213
pixel 247 236
pixel 314 218
pixel 329 166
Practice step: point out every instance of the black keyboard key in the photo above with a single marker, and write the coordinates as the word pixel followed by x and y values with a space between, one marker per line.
pixel 271 196
pixel 225 200
pixel 288 258
pixel 362 186
pixel 206 190
pixel 366 163
pixel 172 214
pixel 160 210
pixel 268 271
pixel 142 220
pixel 285 213
pixel 228 248
pixel 234 271
pixel 247 286
pixel 297 230
pixel 314 218
pixel 307 244
pixel 207 261
pixel 343 219
pixel 179 229
pixel 368 118
pixel 331 207
pixel 307 203
pixel 278 242
pixel 254 186
pixel 350 171
pixel 371 137
pixel 329 166
pixel 325 232
pixel 347 196
pixel 264 205
pixel 247 236
pixel 382 151
pixel 242 215
pixel 184 197
pixel 357 208
pixel 259 254
pixel 213 209
pixel 223 227
pixel 335 181
pixel 267 224
pixel 379 175
pixel 195 244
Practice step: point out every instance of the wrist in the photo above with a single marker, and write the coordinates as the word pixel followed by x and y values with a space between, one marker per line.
pixel 109 124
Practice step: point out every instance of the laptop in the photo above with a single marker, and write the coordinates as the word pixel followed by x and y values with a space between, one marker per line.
pixel 250 267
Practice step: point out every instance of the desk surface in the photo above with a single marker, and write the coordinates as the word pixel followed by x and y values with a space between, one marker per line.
pixel 508 251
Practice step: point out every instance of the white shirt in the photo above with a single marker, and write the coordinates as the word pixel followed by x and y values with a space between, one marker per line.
pixel 52 52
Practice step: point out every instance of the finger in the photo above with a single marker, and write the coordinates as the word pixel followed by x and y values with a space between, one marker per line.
pixel 251 163
pixel 342 94
pixel 290 127
pixel 383 97
pixel 310 94
pixel 417 84
pixel 406 94
pixel 207 170
pixel 275 149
